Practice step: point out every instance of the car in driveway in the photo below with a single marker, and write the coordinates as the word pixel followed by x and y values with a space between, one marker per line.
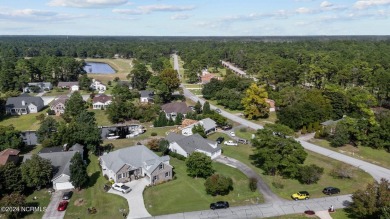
pixel 302 195
pixel 62 206
pixel 230 143
pixel 232 134
pixel 67 195
pixel 121 187
pixel 219 205
pixel 331 190
pixel 220 139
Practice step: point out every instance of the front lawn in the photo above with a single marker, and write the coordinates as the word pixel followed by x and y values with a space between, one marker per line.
pixel 291 186
pixel 23 122
pixel 293 216
pixel 106 204
pixel 101 117
pixel 375 156
pixel 188 194
pixel 42 200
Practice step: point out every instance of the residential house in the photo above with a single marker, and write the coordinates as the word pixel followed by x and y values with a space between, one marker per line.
pixel 60 161
pixel 29 137
pixel 136 162
pixel 97 85
pixel 186 145
pixel 209 125
pixel 271 104
pixel 58 104
pixel 73 85
pixel 146 96
pixel 23 104
pixel 9 155
pixel 172 109
pixel 125 83
pixel 101 101
pixel 43 86
pixel 206 78
pixel 330 125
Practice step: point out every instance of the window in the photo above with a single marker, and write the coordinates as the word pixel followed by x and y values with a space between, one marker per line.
pixel 154 178
pixel 119 176
pixel 167 174
pixel 161 166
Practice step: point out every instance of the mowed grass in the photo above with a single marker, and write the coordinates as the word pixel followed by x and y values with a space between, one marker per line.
pixel 43 200
pixel 101 117
pixel 188 194
pixel 106 204
pixel 293 216
pixel 290 186
pixel 25 122
pixel 375 156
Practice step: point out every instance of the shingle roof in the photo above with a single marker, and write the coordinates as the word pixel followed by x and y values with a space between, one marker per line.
pixel 61 99
pixel 176 107
pixel 146 93
pixel 16 102
pixel 136 156
pixel 4 155
pixel 208 123
pixel 102 98
pixel 67 84
pixel 192 143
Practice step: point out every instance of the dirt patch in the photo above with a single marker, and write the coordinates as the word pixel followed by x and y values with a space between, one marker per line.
pixel 79 202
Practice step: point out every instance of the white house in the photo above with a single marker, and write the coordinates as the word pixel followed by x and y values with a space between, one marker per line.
pixel 208 124
pixel 23 104
pixel 73 86
pixel 185 145
pixel 97 85
pixel 146 96
pixel 43 86
pixel 101 101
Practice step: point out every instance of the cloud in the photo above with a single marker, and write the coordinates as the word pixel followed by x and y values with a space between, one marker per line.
pixel 326 4
pixel 147 9
pixel 362 4
pixel 86 3
pixel 180 17
pixel 32 15
pixel 304 10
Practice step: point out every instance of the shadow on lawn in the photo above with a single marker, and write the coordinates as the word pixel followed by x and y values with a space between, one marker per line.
pixel 93 179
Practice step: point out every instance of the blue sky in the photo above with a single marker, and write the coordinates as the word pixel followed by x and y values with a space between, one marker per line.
pixel 195 17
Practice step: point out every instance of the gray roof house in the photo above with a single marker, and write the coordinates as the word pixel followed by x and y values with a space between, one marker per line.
pixel 42 85
pixel 136 162
pixel 331 124
pixel 185 145
pixel 23 104
pixel 60 160
pixel 172 109
pixel 146 96
pixel 208 124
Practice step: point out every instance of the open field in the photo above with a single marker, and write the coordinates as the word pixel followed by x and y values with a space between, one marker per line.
pixel 188 194
pixel 291 186
pixel 25 122
pixel 375 156
pixel 107 205
pixel 294 216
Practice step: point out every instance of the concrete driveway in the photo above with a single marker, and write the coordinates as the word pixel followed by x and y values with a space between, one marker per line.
pixel 51 210
pixel 135 198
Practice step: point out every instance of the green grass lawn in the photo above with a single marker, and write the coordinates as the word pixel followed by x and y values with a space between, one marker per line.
pixel 23 122
pixel 220 73
pixel 245 133
pixel 43 199
pixel 291 186
pixel 198 86
pixel 56 92
pixel 375 156
pixel 101 117
pixel 340 214
pixel 188 194
pixel 293 216
pixel 107 205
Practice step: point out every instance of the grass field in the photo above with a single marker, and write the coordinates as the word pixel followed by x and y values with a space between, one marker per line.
pixel 375 156
pixel 43 199
pixel 24 122
pixel 101 117
pixel 346 186
pixel 188 194
pixel 107 205
pixel 294 216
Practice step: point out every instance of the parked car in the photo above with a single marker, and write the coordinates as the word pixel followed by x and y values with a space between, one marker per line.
pixel 67 195
pixel 218 110
pixel 232 134
pixel 220 139
pixel 62 206
pixel 230 142
pixel 331 190
pixel 121 187
pixel 300 195
pixel 218 205
pixel 242 141
pixel 226 127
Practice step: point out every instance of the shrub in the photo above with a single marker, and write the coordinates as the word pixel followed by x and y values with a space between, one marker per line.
pixel 153 144
pixel 51 112
pixel 253 184
pixel 303 131
pixel 243 129
pixel 176 155
pixel 343 171
pixel 310 128
pixel 310 174
pixel 109 83
pixel 278 185
pixel 218 185
pixel 116 79
pixel 153 134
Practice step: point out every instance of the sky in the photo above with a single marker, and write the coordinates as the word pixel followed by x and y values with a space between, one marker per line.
pixel 195 17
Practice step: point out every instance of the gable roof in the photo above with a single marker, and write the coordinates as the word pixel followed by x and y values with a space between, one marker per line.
pixel 67 83
pixel 102 98
pixel 61 99
pixel 208 123
pixel 176 107
pixel 135 156
pixel 192 143
pixel 5 154
pixel 146 93
pixel 16 102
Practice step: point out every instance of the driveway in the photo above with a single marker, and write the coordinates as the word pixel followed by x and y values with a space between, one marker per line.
pixel 51 210
pixel 135 198
pixel 269 196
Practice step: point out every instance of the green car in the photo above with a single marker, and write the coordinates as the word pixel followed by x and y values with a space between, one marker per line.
pixel 300 195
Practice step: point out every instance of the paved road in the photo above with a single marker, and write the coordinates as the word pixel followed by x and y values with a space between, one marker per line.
pixel 266 210
pixel 51 210
pixel 176 63
pixel 269 196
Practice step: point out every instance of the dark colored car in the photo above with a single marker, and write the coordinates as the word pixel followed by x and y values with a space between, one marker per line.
pixel 218 205
pixel 220 140
pixel 62 206
pixel 67 195
pixel 331 190
pixel 226 127
pixel 218 111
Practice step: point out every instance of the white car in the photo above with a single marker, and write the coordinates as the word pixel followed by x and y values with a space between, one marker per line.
pixel 232 134
pixel 121 187
pixel 230 142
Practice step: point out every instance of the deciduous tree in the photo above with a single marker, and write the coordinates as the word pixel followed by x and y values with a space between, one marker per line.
pixel 47 129
pixel 11 178
pixel 37 171
pixel 217 184
pixel 254 101
pixel 199 165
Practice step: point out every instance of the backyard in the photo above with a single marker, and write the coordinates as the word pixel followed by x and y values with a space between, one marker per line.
pixel 188 194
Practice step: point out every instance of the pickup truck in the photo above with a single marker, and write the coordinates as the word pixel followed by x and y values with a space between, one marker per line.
pixel 230 142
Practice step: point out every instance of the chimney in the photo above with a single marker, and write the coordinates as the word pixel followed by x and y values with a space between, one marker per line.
pixel 23 103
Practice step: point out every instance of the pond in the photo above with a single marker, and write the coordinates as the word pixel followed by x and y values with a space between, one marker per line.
pixel 98 68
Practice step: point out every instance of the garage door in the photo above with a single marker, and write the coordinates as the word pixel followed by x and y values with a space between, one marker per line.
pixel 63 186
